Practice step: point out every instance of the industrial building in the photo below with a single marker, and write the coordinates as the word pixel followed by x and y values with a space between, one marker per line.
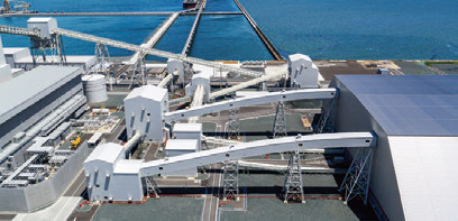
pixel 21 58
pixel 415 120
pixel 122 139
pixel 53 94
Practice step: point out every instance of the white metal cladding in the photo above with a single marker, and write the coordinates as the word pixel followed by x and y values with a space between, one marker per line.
pixel 95 88
pixel 303 94
pixel 425 172
pixel 333 140
pixel 144 108
pixel 408 105
pixel 39 82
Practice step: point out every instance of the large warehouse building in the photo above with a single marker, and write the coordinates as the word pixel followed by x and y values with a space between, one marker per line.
pixel 415 119
pixel 43 98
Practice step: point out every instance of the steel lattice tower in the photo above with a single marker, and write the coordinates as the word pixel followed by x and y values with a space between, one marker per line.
pixel 280 121
pixel 231 180
pixel 233 125
pixel 356 181
pixel 293 181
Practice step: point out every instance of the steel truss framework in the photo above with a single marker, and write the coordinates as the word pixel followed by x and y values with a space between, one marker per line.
pixel 233 124
pixel 46 48
pixel 102 54
pixel 280 121
pixel 231 180
pixel 293 181
pixel 138 75
pixel 356 181
pixel 326 123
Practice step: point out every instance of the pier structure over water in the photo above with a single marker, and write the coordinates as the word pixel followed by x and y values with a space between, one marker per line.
pixel 157 34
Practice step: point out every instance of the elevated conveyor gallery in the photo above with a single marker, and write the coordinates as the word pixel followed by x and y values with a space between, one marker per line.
pixel 304 94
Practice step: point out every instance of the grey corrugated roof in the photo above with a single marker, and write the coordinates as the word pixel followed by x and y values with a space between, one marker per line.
pixel 410 105
pixel 22 91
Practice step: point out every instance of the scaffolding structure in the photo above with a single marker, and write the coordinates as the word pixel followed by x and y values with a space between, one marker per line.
pixel 231 180
pixel 293 181
pixel 356 181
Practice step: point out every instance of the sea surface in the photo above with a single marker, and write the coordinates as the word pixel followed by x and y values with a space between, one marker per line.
pixel 326 29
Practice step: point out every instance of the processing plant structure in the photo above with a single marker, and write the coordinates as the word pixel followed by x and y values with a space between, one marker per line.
pixel 393 138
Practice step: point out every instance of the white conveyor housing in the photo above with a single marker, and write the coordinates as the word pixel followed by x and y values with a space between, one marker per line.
pixel 305 94
pixel 256 148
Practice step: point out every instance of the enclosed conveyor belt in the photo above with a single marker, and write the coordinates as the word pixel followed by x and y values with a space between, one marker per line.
pixel 152 51
pixel 165 81
pixel 304 94
pixel 256 148
pixel 197 101
pixel 246 84
pixel 159 32
pixel 19 31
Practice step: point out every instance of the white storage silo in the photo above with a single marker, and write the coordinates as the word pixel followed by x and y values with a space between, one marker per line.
pixel 95 88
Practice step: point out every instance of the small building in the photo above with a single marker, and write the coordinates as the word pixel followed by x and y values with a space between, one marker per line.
pixel 188 131
pixel 178 147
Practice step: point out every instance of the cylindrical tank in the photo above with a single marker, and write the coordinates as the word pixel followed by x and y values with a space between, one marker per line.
pixel 95 88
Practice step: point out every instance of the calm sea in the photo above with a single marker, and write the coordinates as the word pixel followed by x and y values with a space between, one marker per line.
pixel 325 29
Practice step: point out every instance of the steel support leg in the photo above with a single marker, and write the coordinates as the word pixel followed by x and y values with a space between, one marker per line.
pixel 280 121
pixel 231 180
pixel 326 123
pixel 356 181
pixel 151 186
pixel 293 181
pixel 233 125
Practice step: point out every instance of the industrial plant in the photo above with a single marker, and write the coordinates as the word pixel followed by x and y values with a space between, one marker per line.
pixel 83 135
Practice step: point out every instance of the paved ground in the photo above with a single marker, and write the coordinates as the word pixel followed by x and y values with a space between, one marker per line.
pixel 265 200
pixel 83 216
pixel 77 187
pixel 210 209
pixel 58 211
pixel 162 209
pixel 5 217
pixel 447 68
pixel 412 68
pixel 329 69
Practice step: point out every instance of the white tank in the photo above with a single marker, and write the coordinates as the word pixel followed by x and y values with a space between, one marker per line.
pixel 95 88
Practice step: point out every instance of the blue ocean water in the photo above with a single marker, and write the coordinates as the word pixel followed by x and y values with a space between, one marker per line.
pixel 326 29
pixel 357 29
